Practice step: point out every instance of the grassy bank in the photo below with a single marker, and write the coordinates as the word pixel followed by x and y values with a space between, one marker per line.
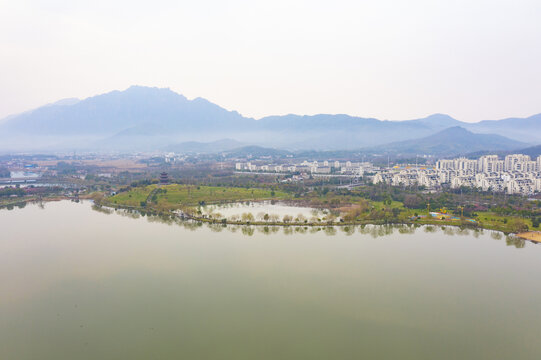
pixel 175 196
pixel 343 209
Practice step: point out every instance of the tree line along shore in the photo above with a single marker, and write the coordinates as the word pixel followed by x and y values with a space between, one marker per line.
pixel 342 206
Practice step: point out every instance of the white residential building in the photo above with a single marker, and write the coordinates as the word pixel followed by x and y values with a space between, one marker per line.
pixel 511 161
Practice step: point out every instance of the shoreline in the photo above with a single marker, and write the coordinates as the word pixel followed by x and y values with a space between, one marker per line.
pixel 224 221
pixel 533 236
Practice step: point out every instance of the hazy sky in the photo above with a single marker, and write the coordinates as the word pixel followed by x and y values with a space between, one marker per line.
pixel 387 59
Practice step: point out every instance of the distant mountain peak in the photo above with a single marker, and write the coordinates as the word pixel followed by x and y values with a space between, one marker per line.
pixel 147 88
pixel 439 115
pixel 141 91
pixel 440 119
pixel 65 102
pixel 459 133
pixel 156 116
pixel 454 140
pixel 455 130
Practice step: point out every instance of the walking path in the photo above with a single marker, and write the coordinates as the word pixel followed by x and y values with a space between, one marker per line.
pixel 150 195
pixel 531 235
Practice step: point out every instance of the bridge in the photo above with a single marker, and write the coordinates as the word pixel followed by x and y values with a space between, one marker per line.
pixel 15 181
pixel 41 181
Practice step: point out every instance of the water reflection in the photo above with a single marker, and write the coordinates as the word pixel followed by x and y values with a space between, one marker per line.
pixel 19 205
pixel 406 229
pixel 248 230
pixel 272 211
pixel 348 230
pixel 301 229
pixel 477 232
pixel 374 231
pixel 447 230
pixel 216 227
pixel 287 230
pixel 82 284
pixel 330 231
pixel 515 241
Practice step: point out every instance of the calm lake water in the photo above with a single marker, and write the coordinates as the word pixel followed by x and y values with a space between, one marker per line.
pixel 263 207
pixel 81 284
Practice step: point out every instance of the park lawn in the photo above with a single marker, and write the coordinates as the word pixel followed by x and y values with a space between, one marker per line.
pixel 379 205
pixel 496 221
pixel 405 213
pixel 134 197
pixel 488 217
pixel 191 195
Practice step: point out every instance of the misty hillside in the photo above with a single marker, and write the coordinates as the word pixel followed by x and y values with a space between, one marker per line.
pixel 147 119
pixel 257 151
pixel 136 110
pixel 202 147
pixel 521 129
pixel 532 151
pixel 452 141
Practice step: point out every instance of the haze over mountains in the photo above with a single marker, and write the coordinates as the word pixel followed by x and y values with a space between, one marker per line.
pixel 147 119
pixel 453 140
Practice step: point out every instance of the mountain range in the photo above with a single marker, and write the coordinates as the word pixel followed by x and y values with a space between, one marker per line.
pixel 158 119
pixel 451 141
pixel 197 147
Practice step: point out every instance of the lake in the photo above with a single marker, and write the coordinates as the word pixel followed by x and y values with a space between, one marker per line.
pixel 275 210
pixel 76 283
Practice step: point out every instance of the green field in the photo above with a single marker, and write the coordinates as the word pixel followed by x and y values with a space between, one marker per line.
pixel 501 222
pixel 134 197
pixel 186 197
pixel 176 196
pixel 379 205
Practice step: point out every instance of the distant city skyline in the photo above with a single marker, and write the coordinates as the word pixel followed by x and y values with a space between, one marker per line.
pixel 384 59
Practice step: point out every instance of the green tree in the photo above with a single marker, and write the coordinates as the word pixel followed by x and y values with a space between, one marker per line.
pixel 247 217
pixel 287 218
pixel 517 225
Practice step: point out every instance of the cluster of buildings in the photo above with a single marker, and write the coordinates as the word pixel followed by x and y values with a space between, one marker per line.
pixel 515 174
pixel 313 167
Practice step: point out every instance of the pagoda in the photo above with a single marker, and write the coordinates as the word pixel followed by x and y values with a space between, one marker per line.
pixel 164 178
